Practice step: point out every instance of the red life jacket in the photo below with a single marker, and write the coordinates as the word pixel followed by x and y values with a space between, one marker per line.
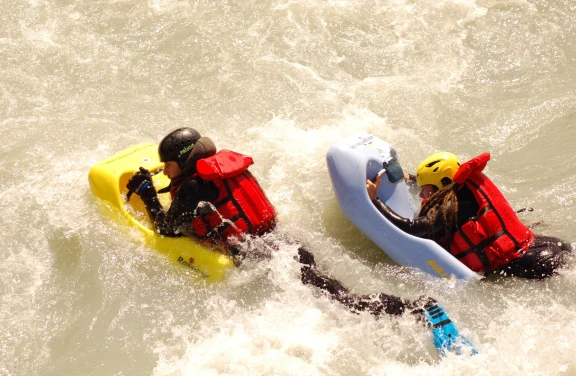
pixel 242 207
pixel 495 236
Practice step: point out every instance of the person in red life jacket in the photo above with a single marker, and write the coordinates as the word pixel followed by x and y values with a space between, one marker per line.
pixel 214 196
pixel 463 211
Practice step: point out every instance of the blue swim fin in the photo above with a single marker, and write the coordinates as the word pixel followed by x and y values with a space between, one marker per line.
pixel 446 336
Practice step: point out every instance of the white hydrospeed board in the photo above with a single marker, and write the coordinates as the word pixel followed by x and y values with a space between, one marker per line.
pixel 353 160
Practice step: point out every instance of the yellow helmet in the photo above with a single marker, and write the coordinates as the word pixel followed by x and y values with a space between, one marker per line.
pixel 436 169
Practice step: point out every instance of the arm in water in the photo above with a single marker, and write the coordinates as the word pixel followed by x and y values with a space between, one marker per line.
pixel 446 337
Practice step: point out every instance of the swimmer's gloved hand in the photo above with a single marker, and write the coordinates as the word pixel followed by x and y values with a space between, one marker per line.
pixel 446 336
pixel 141 184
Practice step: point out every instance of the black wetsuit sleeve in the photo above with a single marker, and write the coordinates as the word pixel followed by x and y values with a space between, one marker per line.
pixel 181 212
pixel 467 209
pixel 419 227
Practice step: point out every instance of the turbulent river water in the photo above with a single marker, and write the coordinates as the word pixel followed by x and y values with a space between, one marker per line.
pixel 281 81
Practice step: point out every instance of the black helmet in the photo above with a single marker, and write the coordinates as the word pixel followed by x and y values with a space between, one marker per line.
pixel 178 145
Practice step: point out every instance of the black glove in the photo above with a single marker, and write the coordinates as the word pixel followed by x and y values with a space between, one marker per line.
pixel 141 184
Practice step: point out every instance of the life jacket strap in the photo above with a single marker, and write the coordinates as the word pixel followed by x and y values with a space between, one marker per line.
pixel 477 249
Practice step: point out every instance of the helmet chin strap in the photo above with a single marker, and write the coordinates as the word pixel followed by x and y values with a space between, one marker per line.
pixel 165 189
